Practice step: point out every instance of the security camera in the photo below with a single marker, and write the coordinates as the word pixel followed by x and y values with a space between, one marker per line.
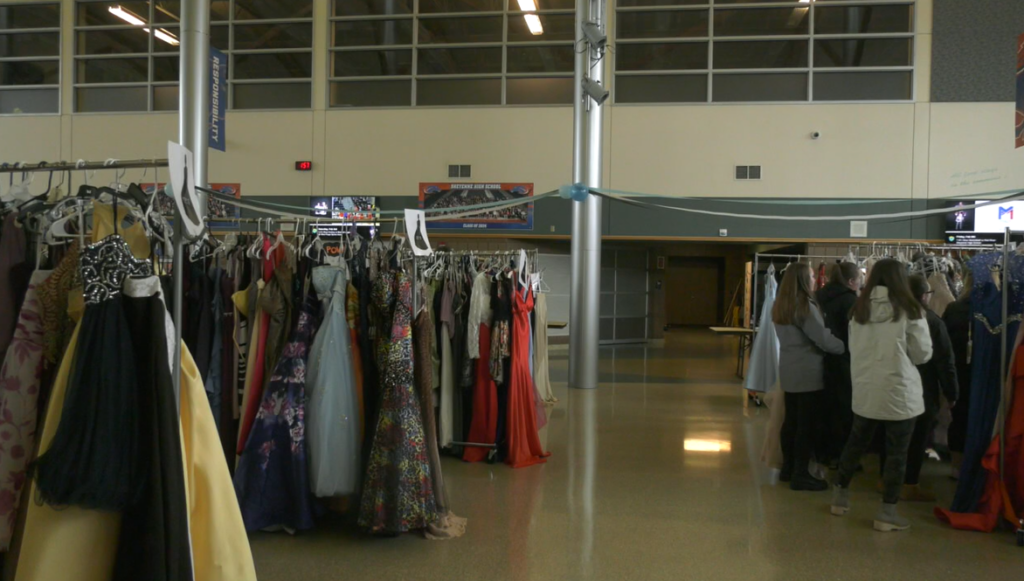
pixel 815 134
pixel 595 37
pixel 594 90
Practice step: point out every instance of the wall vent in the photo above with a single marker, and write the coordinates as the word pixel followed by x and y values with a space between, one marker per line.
pixel 748 172
pixel 460 171
pixel 858 229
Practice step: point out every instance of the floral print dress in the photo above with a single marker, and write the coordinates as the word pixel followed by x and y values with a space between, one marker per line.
pixel 272 477
pixel 398 493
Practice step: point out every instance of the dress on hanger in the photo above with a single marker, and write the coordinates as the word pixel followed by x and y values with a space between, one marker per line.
pixel 332 419
pixel 20 381
pixel 942 296
pixel 483 428
pixel 524 447
pixel 764 354
pixel 272 477
pixel 986 392
pixel 541 372
pixel 14 277
pixel 398 494
pixel 352 316
pixel 447 413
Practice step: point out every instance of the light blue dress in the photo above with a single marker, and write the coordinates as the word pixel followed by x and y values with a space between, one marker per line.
pixel 332 411
pixel 764 355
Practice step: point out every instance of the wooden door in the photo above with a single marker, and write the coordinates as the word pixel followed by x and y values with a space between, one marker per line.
pixel 693 292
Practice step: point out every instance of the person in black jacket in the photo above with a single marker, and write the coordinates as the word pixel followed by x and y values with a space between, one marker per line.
pixel 836 300
pixel 958 322
pixel 939 378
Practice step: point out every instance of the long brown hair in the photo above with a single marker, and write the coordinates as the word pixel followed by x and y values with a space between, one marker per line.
pixel 843 272
pixel 793 302
pixel 892 275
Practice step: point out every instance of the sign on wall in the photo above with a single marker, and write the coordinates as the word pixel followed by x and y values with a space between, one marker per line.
pixel 1019 129
pixel 218 98
pixel 455 198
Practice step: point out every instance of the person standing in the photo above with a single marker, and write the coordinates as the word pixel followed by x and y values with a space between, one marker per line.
pixel 836 300
pixel 803 342
pixel 958 320
pixel 938 378
pixel 888 338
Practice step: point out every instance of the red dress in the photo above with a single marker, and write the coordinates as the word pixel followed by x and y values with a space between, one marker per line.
pixel 484 427
pixel 524 448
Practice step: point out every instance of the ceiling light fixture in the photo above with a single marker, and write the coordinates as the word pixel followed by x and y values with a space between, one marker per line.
pixel 165 36
pixel 126 15
pixel 528 5
pixel 533 22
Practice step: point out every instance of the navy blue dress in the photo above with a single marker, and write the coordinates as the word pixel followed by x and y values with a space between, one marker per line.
pixel 272 477
pixel 986 359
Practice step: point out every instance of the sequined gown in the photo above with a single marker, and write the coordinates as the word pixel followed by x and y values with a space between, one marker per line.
pixel 398 494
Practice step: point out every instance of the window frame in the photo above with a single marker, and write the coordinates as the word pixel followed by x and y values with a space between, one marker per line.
pixel 709 72
pixel 414 17
pixel 58 58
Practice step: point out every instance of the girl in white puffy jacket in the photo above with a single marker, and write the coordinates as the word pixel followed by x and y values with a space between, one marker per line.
pixel 889 338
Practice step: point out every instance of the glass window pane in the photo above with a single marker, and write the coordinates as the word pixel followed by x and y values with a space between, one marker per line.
pixel 29 101
pixel 289 65
pixel 455 30
pixel 372 32
pixel 675 24
pixel 220 10
pixel 607 329
pixel 372 7
pixel 99 14
pixel 628 261
pixel 168 40
pixel 863 86
pixel 371 94
pixel 773 54
pixel 555 27
pixel 271 9
pixel 372 63
pixel 631 3
pixel 631 329
pixel 102 99
pixel 539 91
pixel 257 36
pixel 863 19
pixel 219 37
pixel 166 69
pixel 661 57
pixel 759 87
pixel 169 11
pixel 459 61
pixel 864 52
pixel 458 92
pixel 448 6
pixel 165 98
pixel 133 40
pixel 661 88
pixel 272 96
pixel 762 1
pixel 133 70
pixel 607 274
pixel 14 16
pixel 630 305
pixel 30 44
pixel 515 5
pixel 29 73
pixel 762 21
pixel 540 59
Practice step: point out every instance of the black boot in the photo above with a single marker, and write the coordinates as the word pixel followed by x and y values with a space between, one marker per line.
pixel 807 482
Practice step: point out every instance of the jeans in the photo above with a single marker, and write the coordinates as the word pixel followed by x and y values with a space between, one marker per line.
pixel 800 432
pixel 897 444
pixel 923 428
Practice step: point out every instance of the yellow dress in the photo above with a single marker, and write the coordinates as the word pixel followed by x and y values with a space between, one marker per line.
pixel 74 543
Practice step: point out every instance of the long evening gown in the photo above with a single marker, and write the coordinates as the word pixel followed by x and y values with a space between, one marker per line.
pixel 398 493
pixel 524 447
pixel 333 414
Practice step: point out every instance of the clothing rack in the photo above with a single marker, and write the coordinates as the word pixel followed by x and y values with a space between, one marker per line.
pixel 790 257
pixel 82 165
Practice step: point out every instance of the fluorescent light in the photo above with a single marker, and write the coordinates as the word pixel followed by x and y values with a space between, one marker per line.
pixel 533 22
pixel 528 5
pixel 707 445
pixel 166 37
pixel 126 15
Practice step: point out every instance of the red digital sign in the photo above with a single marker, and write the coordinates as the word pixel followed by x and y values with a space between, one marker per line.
pixel 303 166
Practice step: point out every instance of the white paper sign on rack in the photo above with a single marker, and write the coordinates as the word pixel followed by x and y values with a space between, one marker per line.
pixel 416 223
pixel 183 184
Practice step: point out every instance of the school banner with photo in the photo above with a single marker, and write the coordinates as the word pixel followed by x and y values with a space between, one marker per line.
pixel 454 198
pixel 1020 92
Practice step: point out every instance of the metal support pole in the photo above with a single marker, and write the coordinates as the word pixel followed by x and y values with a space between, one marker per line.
pixel 589 312
pixel 579 115
pixel 193 124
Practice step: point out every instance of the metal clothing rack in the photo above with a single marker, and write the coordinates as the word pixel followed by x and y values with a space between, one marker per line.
pixel 82 165
pixel 790 257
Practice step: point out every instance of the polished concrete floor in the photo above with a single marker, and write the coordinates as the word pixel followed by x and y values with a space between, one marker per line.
pixel 623 499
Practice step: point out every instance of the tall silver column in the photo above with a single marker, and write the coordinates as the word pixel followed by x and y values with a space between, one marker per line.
pixel 193 128
pixel 589 311
pixel 579 120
